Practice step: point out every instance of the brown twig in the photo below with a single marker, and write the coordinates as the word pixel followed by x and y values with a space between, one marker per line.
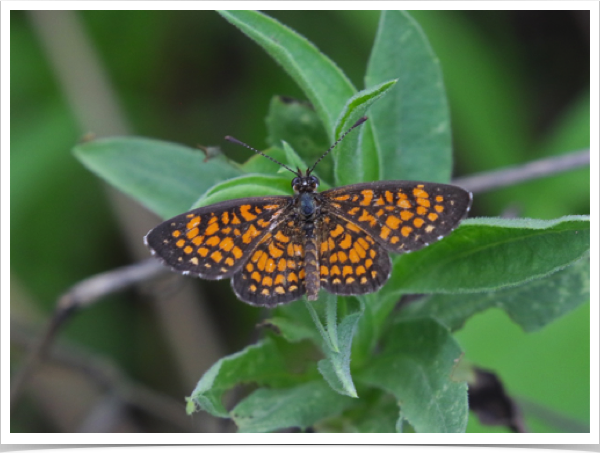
pixel 83 294
pixel 486 181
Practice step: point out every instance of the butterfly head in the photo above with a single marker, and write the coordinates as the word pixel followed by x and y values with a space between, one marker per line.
pixel 305 182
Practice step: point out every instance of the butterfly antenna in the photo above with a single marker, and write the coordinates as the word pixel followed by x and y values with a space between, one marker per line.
pixel 237 142
pixel 358 123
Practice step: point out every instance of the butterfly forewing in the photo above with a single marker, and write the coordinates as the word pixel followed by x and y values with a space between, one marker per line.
pixel 213 242
pixel 274 272
pixel 402 216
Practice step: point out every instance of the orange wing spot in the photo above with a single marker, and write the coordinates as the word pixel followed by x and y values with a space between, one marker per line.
pixel 180 243
pixel 418 222
pixel 380 201
pixel 253 288
pixel 279 279
pixel 225 218
pixel 342 197
pixel 324 247
pixel 352 227
pixel 216 256
pixel 423 202
pixel 226 230
pixel 194 261
pixel 229 261
pixel 366 217
pixel 292 277
pixel 267 281
pixel 353 256
pixel 250 234
pixel 335 270
pixel 293 288
pixel 237 232
pixel 274 251
pixel 403 203
pixel 202 251
pixel 367 197
pixel 354 210
pixel 394 239
pixel 420 193
pixel 347 270
pixel 406 215
pixel 364 244
pixel 350 280
pixel 333 258
pixel 290 249
pixel 372 253
pixel 255 276
pixel 360 251
pixel 324 270
pixel 226 244
pixel 281 265
pixel 393 222
pixel 291 264
pixel 439 208
pixel 270 266
pixel 279 290
pixel 213 240
pixel 336 281
pixel 385 232
pixel 265 292
pixel 439 198
pixel 381 211
pixel 193 223
pixel 389 196
pixel 342 257
pixel 245 212
pixel 235 220
pixel 249 267
pixel 263 223
pixel 237 253
pixel 257 210
pixel 188 249
pixel 339 229
pixel 297 249
pixel 390 208
pixel 354 198
pixel 256 256
pixel 301 274
pixel 406 231
pixel 373 274
pixel 189 216
pixel 363 280
pixel 421 210
pixel 429 228
pixel 432 216
pixel 176 233
pixel 270 207
pixel 262 261
pixel 346 242
pixel 331 244
pixel 282 237
pixel 212 229
pixel 360 270
pixel 368 263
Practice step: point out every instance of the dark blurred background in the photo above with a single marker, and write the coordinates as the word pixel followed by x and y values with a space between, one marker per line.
pixel 518 87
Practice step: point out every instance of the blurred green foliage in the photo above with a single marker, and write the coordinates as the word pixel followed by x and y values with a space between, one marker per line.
pixel 518 87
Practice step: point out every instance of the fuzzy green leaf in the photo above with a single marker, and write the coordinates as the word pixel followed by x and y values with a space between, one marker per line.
pixel 411 125
pixel 165 177
pixel 325 85
pixel 416 366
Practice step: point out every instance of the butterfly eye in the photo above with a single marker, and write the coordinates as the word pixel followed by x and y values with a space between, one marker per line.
pixel 296 182
pixel 313 181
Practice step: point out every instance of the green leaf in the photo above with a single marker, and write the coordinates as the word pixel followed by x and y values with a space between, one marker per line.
pixel 245 186
pixel 261 363
pixel 416 366
pixel 336 367
pixel 491 253
pixel 411 125
pixel 532 305
pixel 325 85
pixel 165 177
pixel 293 160
pixel 262 165
pixel 354 163
pixel 267 410
pixel 298 124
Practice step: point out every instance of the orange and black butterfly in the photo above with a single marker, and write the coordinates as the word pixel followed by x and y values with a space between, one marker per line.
pixel 277 249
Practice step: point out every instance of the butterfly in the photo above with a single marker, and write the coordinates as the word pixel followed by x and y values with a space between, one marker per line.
pixel 277 249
